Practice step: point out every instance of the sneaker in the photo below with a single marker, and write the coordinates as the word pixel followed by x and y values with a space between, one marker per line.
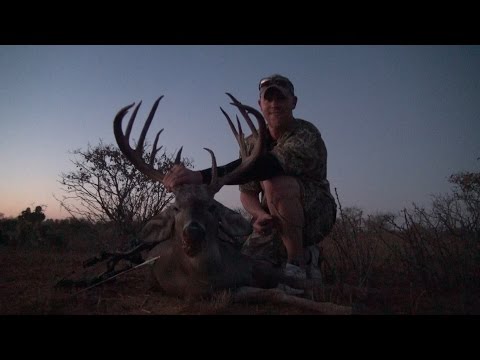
pixel 293 271
pixel 313 267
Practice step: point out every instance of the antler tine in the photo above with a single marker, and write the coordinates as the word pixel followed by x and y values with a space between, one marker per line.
pixel 155 150
pixel 242 107
pixel 178 157
pixel 123 141
pixel 214 185
pixel 243 148
pixel 258 148
pixel 147 125
pixel 234 130
pixel 132 119
pixel 238 135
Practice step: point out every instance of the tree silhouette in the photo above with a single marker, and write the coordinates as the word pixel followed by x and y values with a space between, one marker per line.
pixel 105 186
pixel 34 218
pixel 27 229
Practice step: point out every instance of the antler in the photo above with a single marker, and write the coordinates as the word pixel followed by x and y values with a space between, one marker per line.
pixel 135 155
pixel 247 161
pixel 136 158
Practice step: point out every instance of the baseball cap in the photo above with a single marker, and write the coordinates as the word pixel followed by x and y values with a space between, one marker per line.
pixel 277 81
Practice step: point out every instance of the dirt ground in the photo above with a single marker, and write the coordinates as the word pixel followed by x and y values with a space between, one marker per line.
pixel 27 287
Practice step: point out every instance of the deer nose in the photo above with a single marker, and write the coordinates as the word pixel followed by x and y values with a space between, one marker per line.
pixel 194 230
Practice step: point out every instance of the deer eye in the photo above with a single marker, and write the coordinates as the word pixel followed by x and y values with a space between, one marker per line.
pixel 174 208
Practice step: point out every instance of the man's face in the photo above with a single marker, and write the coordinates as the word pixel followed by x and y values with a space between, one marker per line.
pixel 277 108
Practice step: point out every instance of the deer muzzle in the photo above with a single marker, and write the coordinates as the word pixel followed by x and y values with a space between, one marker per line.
pixel 193 238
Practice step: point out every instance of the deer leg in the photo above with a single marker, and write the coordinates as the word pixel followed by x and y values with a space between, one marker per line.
pixel 257 295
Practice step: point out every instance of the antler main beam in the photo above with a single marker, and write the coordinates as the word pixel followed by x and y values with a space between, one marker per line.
pixel 135 155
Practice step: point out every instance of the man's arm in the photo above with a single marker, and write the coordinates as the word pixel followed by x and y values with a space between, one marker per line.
pixel 251 203
pixel 265 167
pixel 262 221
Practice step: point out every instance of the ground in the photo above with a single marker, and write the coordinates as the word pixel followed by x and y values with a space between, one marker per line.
pixel 28 278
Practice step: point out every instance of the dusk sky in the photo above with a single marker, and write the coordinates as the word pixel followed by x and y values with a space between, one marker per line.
pixel 397 120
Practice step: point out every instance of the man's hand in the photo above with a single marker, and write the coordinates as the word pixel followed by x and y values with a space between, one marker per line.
pixel 179 175
pixel 263 224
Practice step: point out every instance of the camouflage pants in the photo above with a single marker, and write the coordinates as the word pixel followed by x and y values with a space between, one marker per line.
pixel 320 211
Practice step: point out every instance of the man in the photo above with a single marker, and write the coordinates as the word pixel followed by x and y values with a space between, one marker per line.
pixel 296 209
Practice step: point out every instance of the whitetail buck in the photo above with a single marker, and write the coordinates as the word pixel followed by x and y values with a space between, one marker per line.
pixel 192 258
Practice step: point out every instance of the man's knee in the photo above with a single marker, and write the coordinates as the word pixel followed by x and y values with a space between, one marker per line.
pixel 282 188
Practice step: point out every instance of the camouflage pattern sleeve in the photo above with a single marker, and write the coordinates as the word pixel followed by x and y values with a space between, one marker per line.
pixel 302 152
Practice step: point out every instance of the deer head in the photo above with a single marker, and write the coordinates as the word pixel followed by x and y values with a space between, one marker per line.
pixel 196 219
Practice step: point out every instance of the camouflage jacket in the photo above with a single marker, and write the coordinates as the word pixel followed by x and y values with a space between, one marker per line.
pixel 302 153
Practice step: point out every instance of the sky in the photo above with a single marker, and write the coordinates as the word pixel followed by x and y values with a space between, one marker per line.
pixel 397 120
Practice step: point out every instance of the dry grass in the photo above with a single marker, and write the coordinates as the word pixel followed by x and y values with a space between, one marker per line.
pixel 396 277
pixel 28 277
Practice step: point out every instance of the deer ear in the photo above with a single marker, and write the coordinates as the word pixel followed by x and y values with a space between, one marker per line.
pixel 238 226
pixel 159 228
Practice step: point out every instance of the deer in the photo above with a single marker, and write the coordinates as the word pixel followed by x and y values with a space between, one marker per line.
pixel 190 253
